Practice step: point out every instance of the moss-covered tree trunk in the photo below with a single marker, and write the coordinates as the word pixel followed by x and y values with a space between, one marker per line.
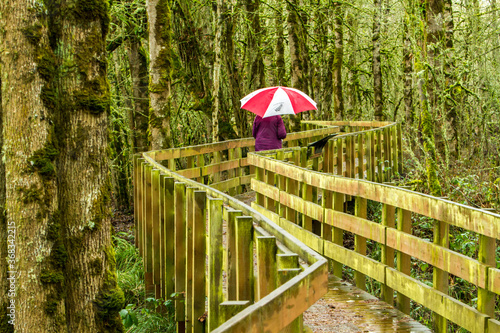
pixel 254 72
pixel 294 43
pixel 160 71
pixel 138 117
pixel 30 261
pixel 338 97
pixel 217 69
pixel 55 103
pixel 92 296
pixel 378 98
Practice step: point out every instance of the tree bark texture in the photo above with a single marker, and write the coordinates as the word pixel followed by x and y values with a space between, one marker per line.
pixel 338 97
pixel 55 103
pixel 160 71
pixel 378 98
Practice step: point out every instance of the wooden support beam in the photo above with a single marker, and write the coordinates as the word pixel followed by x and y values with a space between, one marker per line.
pixel 388 220
pixel 266 265
pixel 244 254
pixel 231 255
pixel 148 234
pixel 167 236
pixel 215 262
pixel 180 253
pixel 199 253
pixel 440 277
pixel 360 210
pixel 190 202
pixel 403 260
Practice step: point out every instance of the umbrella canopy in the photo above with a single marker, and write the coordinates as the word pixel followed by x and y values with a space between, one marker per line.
pixel 274 101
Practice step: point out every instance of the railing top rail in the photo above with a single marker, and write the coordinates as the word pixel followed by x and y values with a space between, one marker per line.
pixel 470 218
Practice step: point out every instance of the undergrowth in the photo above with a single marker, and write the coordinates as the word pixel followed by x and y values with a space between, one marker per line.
pixel 141 315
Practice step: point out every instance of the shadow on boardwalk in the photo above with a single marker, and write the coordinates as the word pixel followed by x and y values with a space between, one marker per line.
pixel 346 308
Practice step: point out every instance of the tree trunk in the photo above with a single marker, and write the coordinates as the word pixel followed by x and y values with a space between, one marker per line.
pixel 378 98
pixel 217 69
pixel 297 74
pixel 55 92
pixel 255 76
pixel 33 299
pixel 338 98
pixel 160 71
pixel 138 117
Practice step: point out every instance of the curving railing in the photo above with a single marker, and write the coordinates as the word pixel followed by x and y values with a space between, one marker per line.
pixel 315 207
pixel 227 267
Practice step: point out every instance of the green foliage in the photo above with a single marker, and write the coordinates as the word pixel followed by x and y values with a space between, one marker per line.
pixel 140 314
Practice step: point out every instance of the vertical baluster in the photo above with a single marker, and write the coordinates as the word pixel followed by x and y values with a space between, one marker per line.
pixel 240 171
pixel 360 210
pixel 361 157
pixel 201 164
pixel 199 253
pixel 400 149
pixel 259 175
pixel 139 204
pixel 244 254
pixel 266 265
pixel 189 258
pixel 232 172
pixel 269 202
pixel 288 268
pixel 404 260
pixel 180 254
pixel 440 277
pixel 155 244
pixel 281 183
pixel 167 235
pixel 231 255
pixel 394 151
pixel 379 156
pixel 486 255
pixel 388 220
pixel 215 262
pixel 148 235
pixel 387 154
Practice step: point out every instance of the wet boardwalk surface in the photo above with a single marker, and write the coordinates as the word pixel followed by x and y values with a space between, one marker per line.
pixel 346 308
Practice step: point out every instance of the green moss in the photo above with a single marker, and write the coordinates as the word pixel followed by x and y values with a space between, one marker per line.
pixel 100 206
pixel 90 10
pixel 109 302
pixel 59 255
pixel 5 327
pixel 47 277
pixel 51 304
pixel 96 266
pixel 42 160
pixel 33 33
pixel 94 97
pixel 46 65
pixel 48 96
pixel 54 226
pixel 30 195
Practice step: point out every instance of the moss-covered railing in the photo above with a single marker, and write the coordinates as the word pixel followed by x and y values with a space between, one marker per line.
pixel 313 207
pixel 227 267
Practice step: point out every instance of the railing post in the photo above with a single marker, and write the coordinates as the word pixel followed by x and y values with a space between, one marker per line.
pixel 148 234
pixel 180 254
pixel 231 256
pixel 440 277
pixel 155 206
pixel 269 203
pixel 387 154
pixel 370 156
pixel 306 191
pixel 259 175
pixel 403 260
pixel 486 255
pixel 215 262
pixel 200 160
pixel 394 151
pixel 288 268
pixel 199 261
pixel 231 173
pixel 337 233
pixel 244 254
pixel 240 172
pixel 189 258
pixel 400 149
pixel 360 210
pixel 340 157
pixel 378 155
pixel 388 220
pixel 139 204
pixel 281 209
pixel 266 265
pixel 361 157
pixel 167 232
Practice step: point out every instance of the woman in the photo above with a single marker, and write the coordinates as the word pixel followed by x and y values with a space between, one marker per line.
pixel 268 132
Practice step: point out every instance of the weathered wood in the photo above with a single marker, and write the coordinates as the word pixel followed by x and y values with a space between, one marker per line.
pixel 266 265
pixel 230 308
pixel 388 220
pixel 231 255
pixel 487 256
pixel 244 254
pixel 370 156
pixel 180 251
pixel 360 211
pixel 190 203
pixel 199 261
pixel 156 214
pixel 440 277
pixel 148 233
pixel 403 260
pixel 215 263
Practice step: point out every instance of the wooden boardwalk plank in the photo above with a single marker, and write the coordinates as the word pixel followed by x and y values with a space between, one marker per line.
pixel 348 309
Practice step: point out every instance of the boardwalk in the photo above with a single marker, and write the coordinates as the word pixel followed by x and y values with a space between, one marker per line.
pixel 346 309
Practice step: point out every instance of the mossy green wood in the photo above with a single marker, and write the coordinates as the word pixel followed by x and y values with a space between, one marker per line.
pixel 190 204
pixel 180 251
pixel 287 260
pixel 227 185
pixel 455 263
pixel 137 199
pixel 370 156
pixel 326 203
pixel 168 236
pixel 155 208
pixel 199 260
pixel 266 265
pixel 360 211
pixel 486 255
pixel 281 184
pixel 284 275
pixel 215 262
pixel 494 280
pixel 339 157
pixel 439 276
pixel 259 175
pixel 244 254
pixel 379 160
pixel 230 308
pixel 217 159
pixel 387 165
pixel 493 326
pixel 400 148
pixel 365 265
pixel 356 225
pixel 269 202
pixel 403 260
pixel 148 234
pixel 338 234
pixel 394 150
pixel 200 162
pixel 232 172
pixel 361 156
pixel 388 220
pixel 231 255
pixel 139 204
pixel 442 304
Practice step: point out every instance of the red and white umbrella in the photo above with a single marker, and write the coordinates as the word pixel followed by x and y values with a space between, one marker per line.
pixel 274 101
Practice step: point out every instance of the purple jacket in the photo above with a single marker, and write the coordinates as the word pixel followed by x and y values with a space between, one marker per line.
pixel 268 132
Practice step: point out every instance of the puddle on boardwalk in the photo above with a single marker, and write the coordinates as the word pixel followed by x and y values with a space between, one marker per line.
pixel 347 309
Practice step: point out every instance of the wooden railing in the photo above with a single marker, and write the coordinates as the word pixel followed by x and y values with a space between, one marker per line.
pixel 190 258
pixel 312 206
